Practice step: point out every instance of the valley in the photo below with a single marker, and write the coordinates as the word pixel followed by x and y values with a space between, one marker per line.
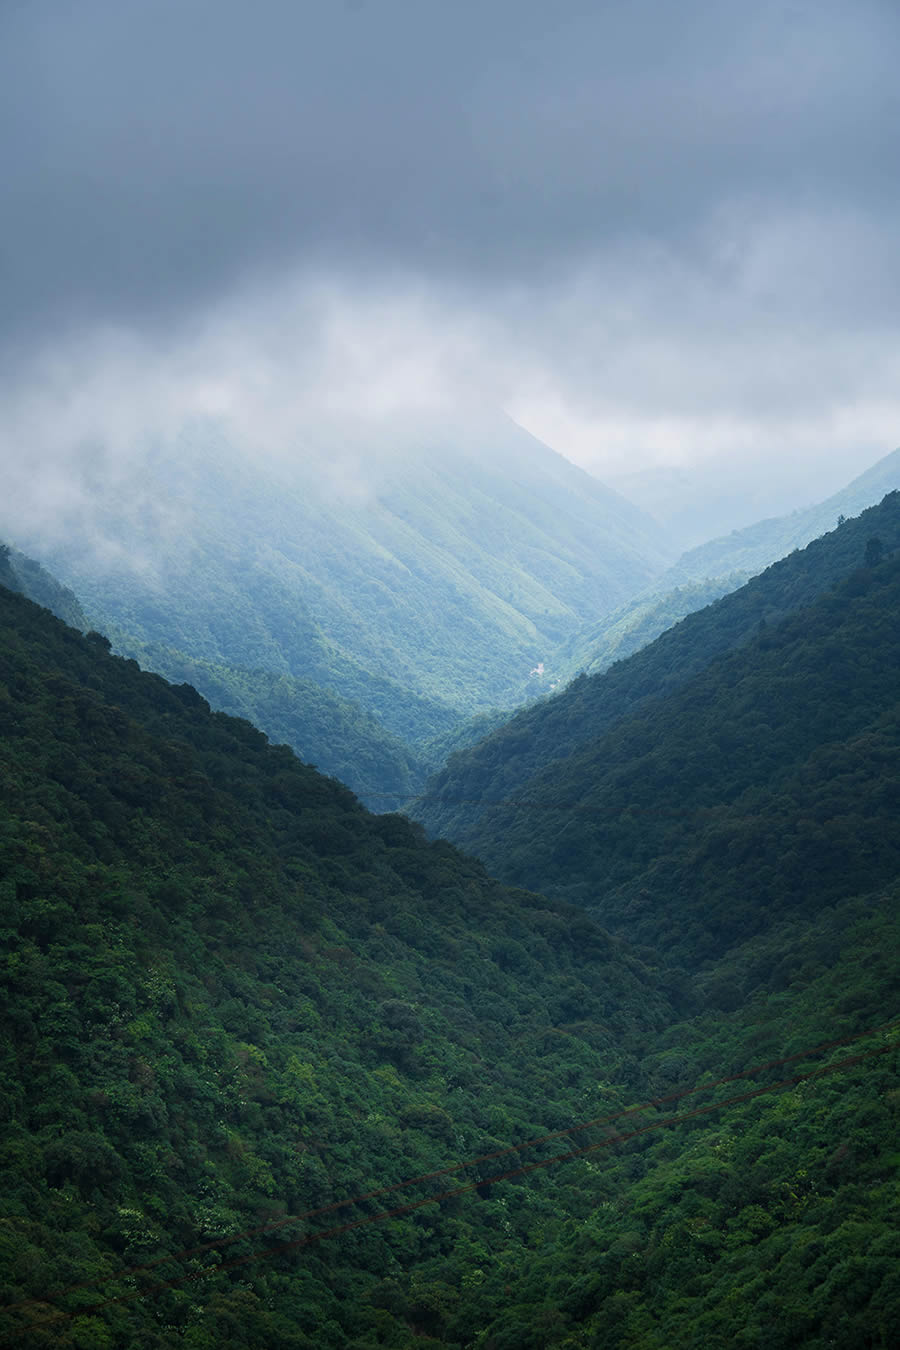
pixel 646 1079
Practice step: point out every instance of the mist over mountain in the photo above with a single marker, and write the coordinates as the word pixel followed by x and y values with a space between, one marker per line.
pixel 699 502
pixel 477 780
pixel 719 566
pixel 447 563
pixel 754 548
pixel 278 1072
pixel 29 578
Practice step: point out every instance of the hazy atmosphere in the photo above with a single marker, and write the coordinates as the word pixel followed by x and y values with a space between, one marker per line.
pixel 449 715
pixel 655 235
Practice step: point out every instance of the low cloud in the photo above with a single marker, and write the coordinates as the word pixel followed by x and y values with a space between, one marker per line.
pixel 654 234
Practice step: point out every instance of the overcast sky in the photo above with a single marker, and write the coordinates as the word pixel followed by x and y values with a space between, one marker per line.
pixel 655 233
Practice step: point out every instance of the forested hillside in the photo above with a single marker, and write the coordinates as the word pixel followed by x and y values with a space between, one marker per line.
pixel 569 723
pixel 767 784
pixel 620 634
pixel 29 578
pixel 232 996
pixel 448 567
pixel 712 570
pixel 334 735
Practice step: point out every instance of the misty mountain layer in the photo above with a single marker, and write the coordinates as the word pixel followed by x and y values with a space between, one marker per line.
pixel 478 780
pixel 754 548
pixel 705 573
pixel 449 568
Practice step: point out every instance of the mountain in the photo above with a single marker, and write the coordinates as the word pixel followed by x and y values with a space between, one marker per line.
pixel 29 578
pixel 705 573
pixel 624 632
pixel 689 827
pixel 731 493
pixel 334 735
pixel 241 1013
pixel 754 548
pixel 232 994
pixel 447 566
pixel 476 780
pixel 695 504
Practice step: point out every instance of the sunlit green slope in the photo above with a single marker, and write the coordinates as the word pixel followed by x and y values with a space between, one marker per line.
pixel 448 567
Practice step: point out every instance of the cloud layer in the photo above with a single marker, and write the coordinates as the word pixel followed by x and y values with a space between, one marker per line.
pixel 655 233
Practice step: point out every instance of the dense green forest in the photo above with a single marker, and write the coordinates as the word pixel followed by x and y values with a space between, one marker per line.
pixel 232 995
pixel 325 730
pixel 569 723
pixel 768 783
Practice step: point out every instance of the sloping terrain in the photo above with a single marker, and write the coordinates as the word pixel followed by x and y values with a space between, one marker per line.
pixel 711 570
pixel 767 783
pixel 567 724
pixel 751 549
pixel 619 635
pixel 29 578
pixel 232 996
pixel 449 568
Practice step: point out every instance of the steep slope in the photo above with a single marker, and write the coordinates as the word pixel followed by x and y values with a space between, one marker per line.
pixel 751 549
pixel 455 799
pixel 233 996
pixel 766 786
pixel 447 566
pixel 334 735
pixel 29 578
pixel 771 1222
pixel 625 631
pixel 712 570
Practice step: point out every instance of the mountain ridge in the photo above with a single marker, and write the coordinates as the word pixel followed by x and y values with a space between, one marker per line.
pixel 562 725
pixel 451 575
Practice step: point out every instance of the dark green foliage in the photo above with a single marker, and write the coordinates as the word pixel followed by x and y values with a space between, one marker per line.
pixel 28 577
pixel 712 570
pixel 339 737
pixel 767 784
pixel 573 721
pixel 874 552
pixel 230 994
pixel 627 630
